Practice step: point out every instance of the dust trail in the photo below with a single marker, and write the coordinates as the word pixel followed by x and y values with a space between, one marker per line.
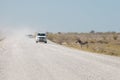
pixel 16 31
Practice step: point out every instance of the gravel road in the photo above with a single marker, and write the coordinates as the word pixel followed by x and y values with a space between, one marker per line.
pixel 22 59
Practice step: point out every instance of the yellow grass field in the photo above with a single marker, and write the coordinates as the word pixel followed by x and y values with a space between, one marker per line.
pixel 103 43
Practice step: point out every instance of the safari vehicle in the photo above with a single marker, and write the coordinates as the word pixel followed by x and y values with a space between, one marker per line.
pixel 41 37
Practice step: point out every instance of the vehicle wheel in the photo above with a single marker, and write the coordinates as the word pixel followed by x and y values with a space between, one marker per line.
pixel 45 41
pixel 36 41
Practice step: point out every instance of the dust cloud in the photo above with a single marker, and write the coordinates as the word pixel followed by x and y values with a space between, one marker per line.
pixel 7 32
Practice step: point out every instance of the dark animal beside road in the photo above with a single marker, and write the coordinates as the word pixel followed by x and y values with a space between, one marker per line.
pixel 82 43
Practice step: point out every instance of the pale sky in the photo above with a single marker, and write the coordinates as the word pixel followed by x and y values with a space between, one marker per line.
pixel 61 15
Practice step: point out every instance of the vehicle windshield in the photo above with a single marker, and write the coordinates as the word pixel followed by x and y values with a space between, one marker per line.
pixel 41 34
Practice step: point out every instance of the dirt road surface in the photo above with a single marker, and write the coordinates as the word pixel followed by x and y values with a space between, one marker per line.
pixel 22 59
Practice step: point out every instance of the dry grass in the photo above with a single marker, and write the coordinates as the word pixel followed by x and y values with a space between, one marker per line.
pixel 105 43
pixel 1 36
pixel 1 39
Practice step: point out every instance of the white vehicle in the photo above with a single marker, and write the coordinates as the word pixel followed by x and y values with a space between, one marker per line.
pixel 41 37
